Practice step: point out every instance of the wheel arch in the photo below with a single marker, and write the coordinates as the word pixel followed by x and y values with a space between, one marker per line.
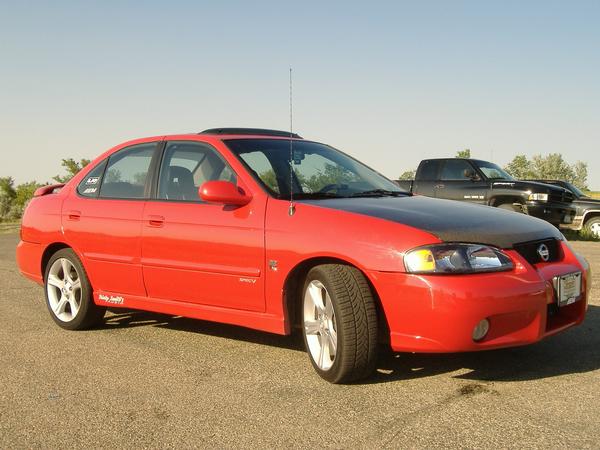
pixel 50 250
pixel 292 296
pixel 590 215
pixel 502 199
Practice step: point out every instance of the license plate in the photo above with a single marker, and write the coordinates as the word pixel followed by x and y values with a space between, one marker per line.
pixel 568 288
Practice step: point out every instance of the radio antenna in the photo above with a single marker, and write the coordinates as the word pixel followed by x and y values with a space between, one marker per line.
pixel 292 208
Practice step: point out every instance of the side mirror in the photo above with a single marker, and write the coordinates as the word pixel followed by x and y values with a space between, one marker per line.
pixel 223 192
pixel 471 175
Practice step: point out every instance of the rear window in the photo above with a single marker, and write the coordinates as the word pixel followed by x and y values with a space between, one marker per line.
pixel 90 185
pixel 428 170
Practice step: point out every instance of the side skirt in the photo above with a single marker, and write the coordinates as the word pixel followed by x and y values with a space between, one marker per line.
pixel 248 319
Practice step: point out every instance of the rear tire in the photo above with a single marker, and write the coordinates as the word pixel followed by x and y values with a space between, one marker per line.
pixel 592 227
pixel 69 293
pixel 339 323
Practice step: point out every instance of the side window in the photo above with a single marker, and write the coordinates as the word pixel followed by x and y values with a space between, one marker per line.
pixel 126 173
pixel 90 185
pixel 186 166
pixel 454 169
pixel 263 168
pixel 428 170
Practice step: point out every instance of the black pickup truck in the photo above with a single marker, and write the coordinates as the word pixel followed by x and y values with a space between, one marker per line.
pixel 587 217
pixel 476 181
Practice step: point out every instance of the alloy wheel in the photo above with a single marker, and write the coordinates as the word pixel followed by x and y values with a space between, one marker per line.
pixel 64 290
pixel 320 325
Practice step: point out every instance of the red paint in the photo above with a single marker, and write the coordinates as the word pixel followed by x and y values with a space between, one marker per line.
pixel 224 192
pixel 211 261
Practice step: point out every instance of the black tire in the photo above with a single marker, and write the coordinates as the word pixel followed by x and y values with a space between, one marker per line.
pixel 591 227
pixel 88 314
pixel 355 318
pixel 510 207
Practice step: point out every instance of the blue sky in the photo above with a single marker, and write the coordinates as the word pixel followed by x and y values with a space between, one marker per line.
pixel 389 82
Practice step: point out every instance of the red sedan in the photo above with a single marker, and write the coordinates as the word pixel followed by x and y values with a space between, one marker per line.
pixel 266 230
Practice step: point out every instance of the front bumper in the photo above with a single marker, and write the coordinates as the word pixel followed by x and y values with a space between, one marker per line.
pixel 576 225
pixel 555 213
pixel 437 314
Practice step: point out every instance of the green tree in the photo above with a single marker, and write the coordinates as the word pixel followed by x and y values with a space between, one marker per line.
pixel 520 168
pixel 24 193
pixel 7 196
pixel 580 172
pixel 466 153
pixel 408 175
pixel 72 167
pixel 552 167
pixel 549 167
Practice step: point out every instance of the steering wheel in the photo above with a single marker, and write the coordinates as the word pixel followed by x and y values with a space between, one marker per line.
pixel 331 187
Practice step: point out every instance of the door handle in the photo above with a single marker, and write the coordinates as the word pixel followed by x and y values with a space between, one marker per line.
pixel 440 186
pixel 74 215
pixel 156 221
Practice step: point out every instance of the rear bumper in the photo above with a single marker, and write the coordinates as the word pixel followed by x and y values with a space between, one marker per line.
pixel 554 213
pixel 29 257
pixel 437 314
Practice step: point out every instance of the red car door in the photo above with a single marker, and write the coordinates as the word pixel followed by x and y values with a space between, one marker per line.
pixel 102 219
pixel 196 252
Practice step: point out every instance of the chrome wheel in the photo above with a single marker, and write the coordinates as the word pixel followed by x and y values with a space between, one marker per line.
pixel 320 325
pixel 63 286
pixel 595 229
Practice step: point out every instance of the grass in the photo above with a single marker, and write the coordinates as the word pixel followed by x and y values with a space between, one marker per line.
pixel 9 227
pixel 582 235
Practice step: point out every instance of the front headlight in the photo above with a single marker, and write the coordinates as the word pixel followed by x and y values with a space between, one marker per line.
pixel 456 258
pixel 538 197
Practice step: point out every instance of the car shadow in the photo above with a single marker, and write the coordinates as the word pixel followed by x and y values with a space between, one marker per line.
pixel 576 350
pixel 132 318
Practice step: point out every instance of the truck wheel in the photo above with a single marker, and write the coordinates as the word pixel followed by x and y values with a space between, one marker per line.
pixel 592 227
pixel 339 323
pixel 510 207
pixel 69 293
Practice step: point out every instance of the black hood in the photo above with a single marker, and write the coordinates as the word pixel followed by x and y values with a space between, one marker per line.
pixel 588 201
pixel 449 220
pixel 534 186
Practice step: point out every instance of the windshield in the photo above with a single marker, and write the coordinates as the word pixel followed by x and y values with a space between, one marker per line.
pixel 492 171
pixel 319 171
pixel 574 190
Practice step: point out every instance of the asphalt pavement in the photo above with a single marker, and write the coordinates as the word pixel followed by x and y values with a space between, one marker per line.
pixel 149 380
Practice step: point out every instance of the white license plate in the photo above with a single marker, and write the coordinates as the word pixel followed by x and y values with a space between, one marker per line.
pixel 569 288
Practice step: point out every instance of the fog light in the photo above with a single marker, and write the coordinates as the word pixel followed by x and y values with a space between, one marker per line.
pixel 481 330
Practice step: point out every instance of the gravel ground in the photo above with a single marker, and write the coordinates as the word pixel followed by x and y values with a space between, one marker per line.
pixel 148 380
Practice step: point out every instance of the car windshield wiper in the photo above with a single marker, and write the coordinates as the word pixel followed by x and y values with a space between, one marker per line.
pixel 379 193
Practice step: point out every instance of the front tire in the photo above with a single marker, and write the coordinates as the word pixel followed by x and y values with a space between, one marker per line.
pixel 339 323
pixel 69 293
pixel 510 207
pixel 592 227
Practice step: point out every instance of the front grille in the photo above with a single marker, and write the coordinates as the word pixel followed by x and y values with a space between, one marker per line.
pixel 561 197
pixel 530 250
